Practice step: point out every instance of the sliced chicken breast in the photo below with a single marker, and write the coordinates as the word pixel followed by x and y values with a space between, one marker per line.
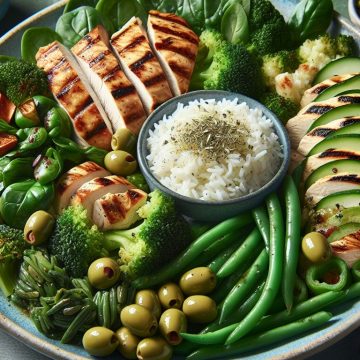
pixel 73 92
pixel 298 126
pixel 313 92
pixel 94 189
pixel 140 64
pixel 73 179
pixel 116 93
pixel 176 46
pixel 331 184
pixel 118 211
pixel 347 248
pixel 315 161
pixel 321 132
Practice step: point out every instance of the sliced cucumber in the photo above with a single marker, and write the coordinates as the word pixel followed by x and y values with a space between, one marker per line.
pixel 349 142
pixel 336 113
pixel 349 84
pixel 346 199
pixel 345 216
pixel 333 168
pixel 345 65
pixel 343 231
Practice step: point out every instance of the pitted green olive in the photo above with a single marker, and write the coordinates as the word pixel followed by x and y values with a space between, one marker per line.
pixel 124 139
pixel 38 227
pixel 200 309
pixel 315 247
pixel 149 300
pixel 128 343
pixel 171 324
pixel 103 273
pixel 155 348
pixel 120 162
pixel 100 341
pixel 139 320
pixel 198 281
pixel 170 296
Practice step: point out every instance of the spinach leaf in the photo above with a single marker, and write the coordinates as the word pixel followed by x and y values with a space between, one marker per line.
pixel 74 25
pixel 34 38
pixel 118 12
pixel 311 18
pixel 234 24
pixel 17 170
pixel 74 4
pixel 20 200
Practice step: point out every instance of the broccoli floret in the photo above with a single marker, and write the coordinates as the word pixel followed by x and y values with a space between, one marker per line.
pixel 224 66
pixel 345 45
pixel 283 108
pixel 76 242
pixel 275 64
pixel 261 13
pixel 20 80
pixel 12 246
pixel 157 240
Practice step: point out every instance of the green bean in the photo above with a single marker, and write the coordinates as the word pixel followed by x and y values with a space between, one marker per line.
pixel 257 341
pixel 173 269
pixel 273 280
pixel 114 314
pixel 218 262
pixel 59 306
pixel 241 254
pixel 105 306
pixel 245 285
pixel 261 219
pixel 292 240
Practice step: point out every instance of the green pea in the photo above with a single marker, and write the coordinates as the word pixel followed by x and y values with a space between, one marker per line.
pixel 103 273
pixel 38 228
pixel 120 162
pixel 100 341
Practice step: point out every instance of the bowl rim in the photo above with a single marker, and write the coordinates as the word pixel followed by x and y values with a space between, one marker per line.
pixel 196 95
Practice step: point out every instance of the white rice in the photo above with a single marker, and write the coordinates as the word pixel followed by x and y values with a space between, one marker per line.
pixel 192 174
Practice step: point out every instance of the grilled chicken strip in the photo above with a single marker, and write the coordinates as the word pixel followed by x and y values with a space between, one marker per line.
pixel 175 45
pixel 298 126
pixel 312 93
pixel 321 132
pixel 94 189
pixel 347 248
pixel 73 179
pixel 331 184
pixel 140 64
pixel 72 91
pixel 118 211
pixel 116 93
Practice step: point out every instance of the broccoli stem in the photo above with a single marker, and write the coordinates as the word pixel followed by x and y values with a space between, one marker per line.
pixel 116 239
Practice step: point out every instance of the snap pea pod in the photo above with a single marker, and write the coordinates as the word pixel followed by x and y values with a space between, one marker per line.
pixel 356 271
pixel 174 268
pixel 35 138
pixel 241 254
pixel 218 262
pixel 261 219
pixel 49 167
pixel 265 338
pixel 273 280
pixel 292 240
pixel 245 285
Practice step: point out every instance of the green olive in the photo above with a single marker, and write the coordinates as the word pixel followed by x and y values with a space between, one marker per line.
pixel 171 324
pixel 198 281
pixel 103 273
pixel 128 343
pixel 155 348
pixel 150 300
pixel 200 309
pixel 315 247
pixel 139 320
pixel 170 296
pixel 124 139
pixel 100 341
pixel 38 227
pixel 120 162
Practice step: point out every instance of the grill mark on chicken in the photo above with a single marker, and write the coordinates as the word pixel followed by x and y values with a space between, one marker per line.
pixel 97 130
pixel 89 101
pixel 50 50
pixel 168 17
pixel 104 181
pixel 322 132
pixel 90 42
pixel 111 73
pixel 349 99
pixel 114 210
pixel 348 242
pixel 319 109
pixel 123 91
pixel 138 40
pixel 180 70
pixel 320 89
pixel 136 66
pixel 352 178
pixel 181 34
pixel 166 44
pixel 61 62
pixel 154 80
pixel 339 154
pixel 349 122
pixel 98 58
pixel 67 87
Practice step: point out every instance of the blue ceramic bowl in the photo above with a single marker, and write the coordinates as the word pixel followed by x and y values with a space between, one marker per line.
pixel 212 210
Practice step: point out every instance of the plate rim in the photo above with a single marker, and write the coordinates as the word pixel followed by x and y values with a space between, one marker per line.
pixel 56 352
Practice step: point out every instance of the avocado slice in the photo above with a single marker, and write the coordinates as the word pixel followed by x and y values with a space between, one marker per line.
pixel 345 65
pixel 349 129
pixel 344 230
pixel 336 113
pixel 342 199
pixel 350 84
pixel 333 168
pixel 345 216
pixel 350 142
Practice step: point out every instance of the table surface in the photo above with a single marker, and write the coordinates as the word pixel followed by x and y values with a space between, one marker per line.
pixel 11 349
